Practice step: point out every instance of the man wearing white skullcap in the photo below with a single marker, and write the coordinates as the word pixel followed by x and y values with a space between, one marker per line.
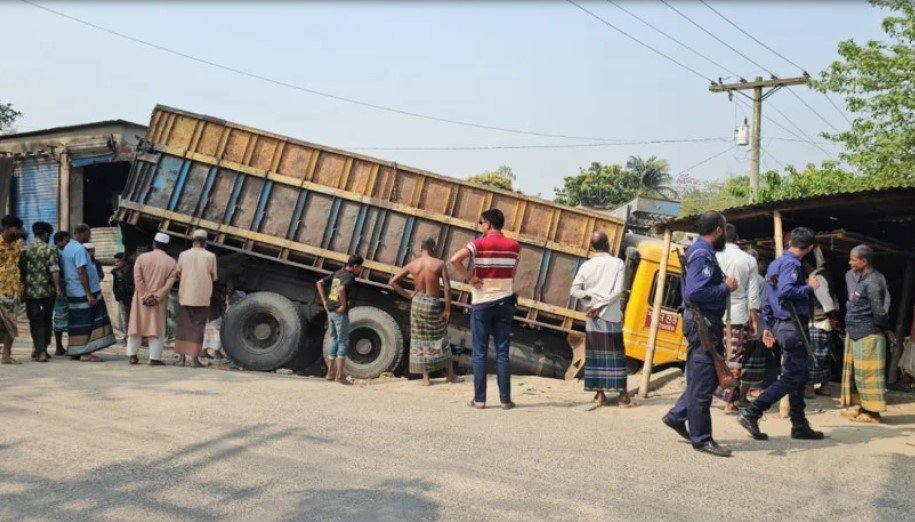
pixel 154 275
pixel 197 271
pixel 98 266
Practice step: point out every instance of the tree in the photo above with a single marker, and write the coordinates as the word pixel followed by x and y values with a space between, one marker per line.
pixel 8 115
pixel 599 186
pixel 699 196
pixel 654 177
pixel 502 178
pixel 877 79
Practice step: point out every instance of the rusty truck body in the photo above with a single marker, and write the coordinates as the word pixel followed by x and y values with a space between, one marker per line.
pixel 282 213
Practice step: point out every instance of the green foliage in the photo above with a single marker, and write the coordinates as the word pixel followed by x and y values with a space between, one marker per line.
pixel 8 115
pixel 877 79
pixel 654 177
pixel 502 178
pixel 598 186
pixel 698 196
pixel 608 186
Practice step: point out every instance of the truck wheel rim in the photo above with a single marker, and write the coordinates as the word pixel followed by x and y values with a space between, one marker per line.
pixel 365 346
pixel 261 331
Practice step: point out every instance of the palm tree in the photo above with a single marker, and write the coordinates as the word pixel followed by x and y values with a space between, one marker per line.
pixel 654 177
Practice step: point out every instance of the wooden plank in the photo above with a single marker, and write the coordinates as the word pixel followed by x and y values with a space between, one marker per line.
pixel 224 229
pixel 400 207
pixel 398 168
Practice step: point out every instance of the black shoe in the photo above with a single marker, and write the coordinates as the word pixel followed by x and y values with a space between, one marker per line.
pixel 751 424
pixel 679 427
pixel 805 432
pixel 712 448
pixel 743 404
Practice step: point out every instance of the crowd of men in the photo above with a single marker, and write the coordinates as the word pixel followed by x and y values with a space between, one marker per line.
pixel 725 289
pixel 60 284
pixel 737 309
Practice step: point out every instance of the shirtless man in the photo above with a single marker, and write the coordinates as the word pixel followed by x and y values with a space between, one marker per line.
pixel 429 314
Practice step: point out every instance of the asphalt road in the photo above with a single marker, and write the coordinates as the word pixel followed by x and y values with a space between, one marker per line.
pixel 108 441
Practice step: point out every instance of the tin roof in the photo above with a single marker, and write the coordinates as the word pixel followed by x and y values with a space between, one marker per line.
pixel 884 214
pixel 71 128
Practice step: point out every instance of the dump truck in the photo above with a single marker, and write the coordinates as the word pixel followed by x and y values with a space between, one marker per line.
pixel 282 213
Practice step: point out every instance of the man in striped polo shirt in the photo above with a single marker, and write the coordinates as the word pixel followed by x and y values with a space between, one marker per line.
pixel 494 260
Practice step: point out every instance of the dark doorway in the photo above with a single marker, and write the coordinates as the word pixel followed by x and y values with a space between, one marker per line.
pixel 102 187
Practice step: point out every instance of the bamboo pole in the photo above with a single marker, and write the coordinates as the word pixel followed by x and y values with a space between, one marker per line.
pixel 656 315
pixel 904 305
pixel 783 405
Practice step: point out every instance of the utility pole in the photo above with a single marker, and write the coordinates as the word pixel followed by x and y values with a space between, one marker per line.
pixel 757 86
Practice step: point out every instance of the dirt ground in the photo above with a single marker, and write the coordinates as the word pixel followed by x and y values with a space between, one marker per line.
pixel 109 441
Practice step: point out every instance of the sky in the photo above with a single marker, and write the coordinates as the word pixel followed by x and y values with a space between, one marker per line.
pixel 542 67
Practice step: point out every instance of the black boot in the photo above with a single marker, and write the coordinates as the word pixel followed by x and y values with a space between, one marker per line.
pixel 801 430
pixel 749 419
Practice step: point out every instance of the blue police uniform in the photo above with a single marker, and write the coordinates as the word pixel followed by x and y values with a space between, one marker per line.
pixel 791 285
pixel 704 287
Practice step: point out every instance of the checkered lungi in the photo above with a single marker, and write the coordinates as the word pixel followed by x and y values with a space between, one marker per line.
pixel 429 347
pixel 605 356
pixel 863 381
pixel 739 333
pixel 820 341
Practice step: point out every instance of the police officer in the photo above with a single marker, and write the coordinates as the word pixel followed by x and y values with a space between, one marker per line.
pixel 704 287
pixel 787 283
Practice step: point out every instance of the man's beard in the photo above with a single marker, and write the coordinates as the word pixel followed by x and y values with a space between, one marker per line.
pixel 719 243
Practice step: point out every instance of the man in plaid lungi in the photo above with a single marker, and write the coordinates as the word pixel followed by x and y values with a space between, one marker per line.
pixel 429 313
pixel 743 314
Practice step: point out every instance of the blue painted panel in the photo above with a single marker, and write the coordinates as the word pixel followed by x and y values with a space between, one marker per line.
pixel 163 183
pixel 91 160
pixel 34 193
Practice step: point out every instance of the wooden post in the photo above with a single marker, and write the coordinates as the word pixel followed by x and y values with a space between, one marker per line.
pixel 904 305
pixel 783 405
pixel 656 315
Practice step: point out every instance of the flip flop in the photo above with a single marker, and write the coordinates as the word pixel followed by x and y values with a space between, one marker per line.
pixel 507 405
pixel 476 405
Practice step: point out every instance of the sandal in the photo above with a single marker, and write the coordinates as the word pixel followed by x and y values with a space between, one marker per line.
pixel 477 405
pixel 507 405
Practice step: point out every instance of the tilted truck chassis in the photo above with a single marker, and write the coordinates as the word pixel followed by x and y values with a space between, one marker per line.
pixel 282 213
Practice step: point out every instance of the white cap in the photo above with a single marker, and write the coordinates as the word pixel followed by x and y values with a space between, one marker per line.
pixel 89 246
pixel 200 234
pixel 162 238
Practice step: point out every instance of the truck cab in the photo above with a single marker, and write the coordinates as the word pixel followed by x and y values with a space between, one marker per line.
pixel 643 261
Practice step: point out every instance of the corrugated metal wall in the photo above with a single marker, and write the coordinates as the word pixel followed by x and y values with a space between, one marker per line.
pixel 34 192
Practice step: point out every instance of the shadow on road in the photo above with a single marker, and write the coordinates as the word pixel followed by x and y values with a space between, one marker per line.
pixel 141 486
pixel 390 500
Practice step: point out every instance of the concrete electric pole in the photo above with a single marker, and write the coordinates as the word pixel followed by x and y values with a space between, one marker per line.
pixel 757 86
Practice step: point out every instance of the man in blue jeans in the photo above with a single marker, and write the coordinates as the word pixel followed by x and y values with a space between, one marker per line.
pixel 336 292
pixel 494 260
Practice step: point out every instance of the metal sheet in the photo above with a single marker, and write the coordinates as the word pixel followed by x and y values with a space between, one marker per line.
pixel 85 161
pixel 34 192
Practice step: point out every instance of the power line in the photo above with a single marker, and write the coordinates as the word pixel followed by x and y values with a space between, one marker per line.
pixel 836 107
pixel 804 134
pixel 308 90
pixel 820 116
pixel 546 146
pixel 669 37
pixel 771 50
pixel 783 57
pixel 706 31
pixel 643 44
pixel 706 160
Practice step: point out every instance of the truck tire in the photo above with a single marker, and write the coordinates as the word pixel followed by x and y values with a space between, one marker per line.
pixel 375 343
pixel 311 348
pixel 262 332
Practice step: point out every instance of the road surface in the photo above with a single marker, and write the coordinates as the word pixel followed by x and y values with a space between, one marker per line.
pixel 108 441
